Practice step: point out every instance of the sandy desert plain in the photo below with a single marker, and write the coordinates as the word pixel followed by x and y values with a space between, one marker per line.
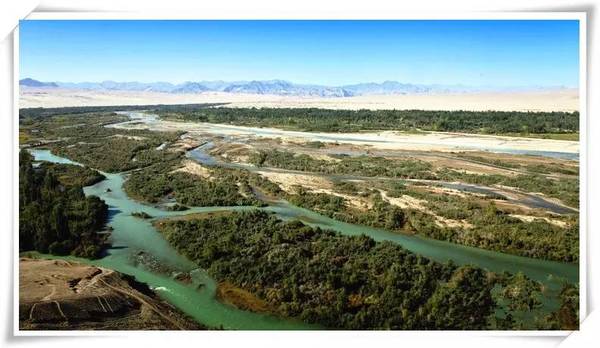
pixel 541 100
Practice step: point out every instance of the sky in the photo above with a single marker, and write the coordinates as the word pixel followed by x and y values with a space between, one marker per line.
pixel 473 53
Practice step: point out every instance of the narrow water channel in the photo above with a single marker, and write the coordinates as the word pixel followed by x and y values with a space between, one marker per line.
pixel 529 200
pixel 135 239
pixel 141 251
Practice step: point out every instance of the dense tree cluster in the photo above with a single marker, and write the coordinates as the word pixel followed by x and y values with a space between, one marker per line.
pixel 57 218
pixel 358 165
pixel 495 229
pixel 56 129
pixel 225 187
pixel 336 281
pixel 187 189
pixel 72 175
pixel 487 122
pixel 313 119
pixel 73 110
pixel 520 303
pixel 567 316
pixel 522 293
pixel 381 215
pixel 118 153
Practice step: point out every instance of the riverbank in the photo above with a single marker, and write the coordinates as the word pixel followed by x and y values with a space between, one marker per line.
pixel 140 251
pixel 383 140
pixel 198 298
pixel 132 235
pixel 242 299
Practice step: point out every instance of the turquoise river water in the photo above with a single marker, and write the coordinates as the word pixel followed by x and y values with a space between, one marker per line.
pixel 136 244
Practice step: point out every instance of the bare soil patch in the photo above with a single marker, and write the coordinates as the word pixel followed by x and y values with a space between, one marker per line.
pixel 64 295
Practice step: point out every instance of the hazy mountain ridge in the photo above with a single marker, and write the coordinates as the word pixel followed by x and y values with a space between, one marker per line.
pixel 277 87
pixel 35 83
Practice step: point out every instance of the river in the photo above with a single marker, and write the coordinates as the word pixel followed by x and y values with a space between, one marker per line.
pixel 390 140
pixel 135 240
pixel 526 199
pixel 431 248
pixel 139 250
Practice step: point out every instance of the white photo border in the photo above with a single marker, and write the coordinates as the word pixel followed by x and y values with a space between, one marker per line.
pixel 259 15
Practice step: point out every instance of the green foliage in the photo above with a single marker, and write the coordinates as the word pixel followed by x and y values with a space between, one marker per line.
pixel 493 161
pixel 396 189
pixel 56 218
pixel 315 144
pixel 553 168
pixel 565 189
pixel 73 110
pixel 141 215
pixel 567 316
pixel 359 165
pixel 457 303
pixel 487 122
pixel 346 187
pixel 155 183
pixel 496 230
pixel 491 228
pixel 71 175
pixel 336 281
pixel 382 214
pixel 323 203
pixel 541 168
pixel 313 119
pixel 177 207
pixel 118 153
pixel 85 139
pixel 55 129
pixel 539 239
pixel 522 293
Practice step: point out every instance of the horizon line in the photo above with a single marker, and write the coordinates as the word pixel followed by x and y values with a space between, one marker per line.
pixel 458 84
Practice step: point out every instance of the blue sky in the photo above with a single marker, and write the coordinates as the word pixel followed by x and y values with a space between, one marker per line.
pixel 476 53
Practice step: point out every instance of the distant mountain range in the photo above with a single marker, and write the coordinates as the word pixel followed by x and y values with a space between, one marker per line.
pixel 35 83
pixel 273 87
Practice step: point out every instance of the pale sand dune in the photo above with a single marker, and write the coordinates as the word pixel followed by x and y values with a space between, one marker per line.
pixel 408 202
pixel 195 168
pixel 555 100
pixel 528 218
